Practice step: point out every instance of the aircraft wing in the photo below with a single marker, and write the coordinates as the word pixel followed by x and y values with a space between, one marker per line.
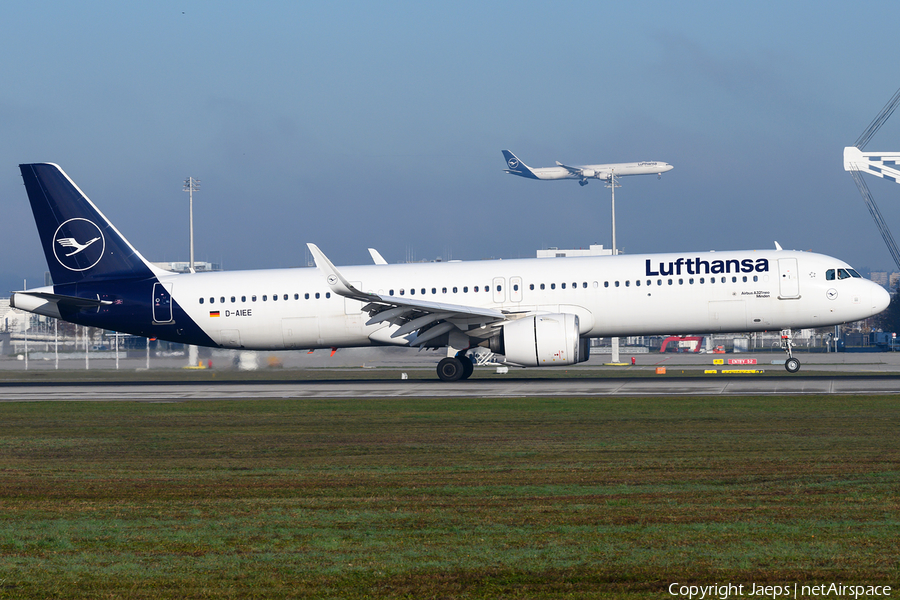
pixel 572 170
pixel 429 319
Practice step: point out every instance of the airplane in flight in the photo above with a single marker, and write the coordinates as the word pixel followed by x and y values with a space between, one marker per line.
pixel 584 172
pixel 528 312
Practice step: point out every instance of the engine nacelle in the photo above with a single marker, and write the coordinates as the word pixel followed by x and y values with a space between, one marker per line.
pixel 588 173
pixel 542 341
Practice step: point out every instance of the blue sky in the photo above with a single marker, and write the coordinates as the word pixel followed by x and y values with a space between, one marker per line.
pixel 362 124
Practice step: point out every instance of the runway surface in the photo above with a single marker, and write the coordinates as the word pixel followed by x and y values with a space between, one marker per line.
pixel 713 385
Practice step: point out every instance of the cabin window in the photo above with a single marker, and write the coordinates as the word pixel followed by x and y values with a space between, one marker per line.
pixel 681 282
pixel 691 281
pixel 390 293
pixel 465 289
pixel 756 278
pixel 516 287
pixel 212 300
pixel 296 296
pixel 605 284
pixel 266 297
pixel 285 297
pixel 723 280
pixel 702 280
pixel 454 289
pixel 745 279
pixel 328 294
pixel 423 291
pixel 596 284
pixel 712 279
pixel 542 286
pixel 584 285
pixel 659 282
pixel 232 300
pixel 530 286
pixel 476 288
pixel 434 290
pixel 243 298
pixel 402 292
pixel 253 298
pixel 563 285
pixel 201 300
pixel 412 291
pixel 499 287
pixel 670 282
pixel 637 282
pixel 274 297
pixel 222 299
pixel 574 285
pixel 317 296
pixel 443 290
pixel 552 286
pixel 617 284
pixel 306 295
pixel 627 283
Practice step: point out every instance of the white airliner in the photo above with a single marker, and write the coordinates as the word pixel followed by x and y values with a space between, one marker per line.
pixel 584 172
pixel 529 312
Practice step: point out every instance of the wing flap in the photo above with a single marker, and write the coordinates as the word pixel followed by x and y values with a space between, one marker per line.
pixel 412 314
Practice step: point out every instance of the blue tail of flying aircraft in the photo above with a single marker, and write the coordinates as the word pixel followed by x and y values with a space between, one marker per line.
pixel 516 166
pixel 80 244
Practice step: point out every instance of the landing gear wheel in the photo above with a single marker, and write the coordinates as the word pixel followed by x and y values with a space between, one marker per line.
pixel 468 367
pixel 792 365
pixel 450 369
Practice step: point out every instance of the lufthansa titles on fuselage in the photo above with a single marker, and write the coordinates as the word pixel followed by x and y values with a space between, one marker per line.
pixel 698 266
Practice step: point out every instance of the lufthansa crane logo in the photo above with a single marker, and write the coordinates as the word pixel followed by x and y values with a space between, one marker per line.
pixel 513 163
pixel 78 244
pixel 332 280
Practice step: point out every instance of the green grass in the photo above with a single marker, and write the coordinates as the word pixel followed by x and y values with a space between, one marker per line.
pixel 470 498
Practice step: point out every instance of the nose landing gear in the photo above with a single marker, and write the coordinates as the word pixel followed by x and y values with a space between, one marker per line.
pixel 787 343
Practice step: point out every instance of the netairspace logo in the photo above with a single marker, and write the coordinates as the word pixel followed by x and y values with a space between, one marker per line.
pixel 796 590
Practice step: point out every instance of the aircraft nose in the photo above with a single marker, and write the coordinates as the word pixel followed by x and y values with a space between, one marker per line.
pixel 880 298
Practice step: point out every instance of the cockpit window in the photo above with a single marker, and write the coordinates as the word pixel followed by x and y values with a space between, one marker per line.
pixel 843 274
pixel 853 273
pixel 829 274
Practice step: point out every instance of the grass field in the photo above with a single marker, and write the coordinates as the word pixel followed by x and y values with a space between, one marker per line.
pixel 410 498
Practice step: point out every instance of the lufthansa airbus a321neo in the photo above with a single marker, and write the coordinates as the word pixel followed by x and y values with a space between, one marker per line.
pixel 528 312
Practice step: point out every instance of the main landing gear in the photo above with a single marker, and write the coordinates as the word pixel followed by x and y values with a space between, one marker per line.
pixel 455 368
pixel 791 364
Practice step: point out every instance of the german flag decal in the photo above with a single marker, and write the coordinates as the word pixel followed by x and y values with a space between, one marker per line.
pixel 214 313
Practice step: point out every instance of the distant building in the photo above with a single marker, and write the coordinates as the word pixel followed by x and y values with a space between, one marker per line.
pixel 879 277
pixel 593 250
pixel 184 266
pixel 885 279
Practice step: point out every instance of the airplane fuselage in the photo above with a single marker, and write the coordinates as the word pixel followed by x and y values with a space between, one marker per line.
pixel 604 171
pixel 613 296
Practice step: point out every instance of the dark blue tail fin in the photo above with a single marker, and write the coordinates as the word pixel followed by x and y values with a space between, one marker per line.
pixel 79 242
pixel 516 166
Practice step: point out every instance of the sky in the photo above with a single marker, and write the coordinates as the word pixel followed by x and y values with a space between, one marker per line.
pixel 380 124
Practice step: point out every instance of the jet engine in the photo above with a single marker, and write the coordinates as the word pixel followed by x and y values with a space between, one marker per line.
pixel 542 341
pixel 587 173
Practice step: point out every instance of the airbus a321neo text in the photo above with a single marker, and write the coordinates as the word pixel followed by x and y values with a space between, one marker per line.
pixel 528 312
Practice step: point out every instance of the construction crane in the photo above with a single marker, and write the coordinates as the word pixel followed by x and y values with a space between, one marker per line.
pixel 880 164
